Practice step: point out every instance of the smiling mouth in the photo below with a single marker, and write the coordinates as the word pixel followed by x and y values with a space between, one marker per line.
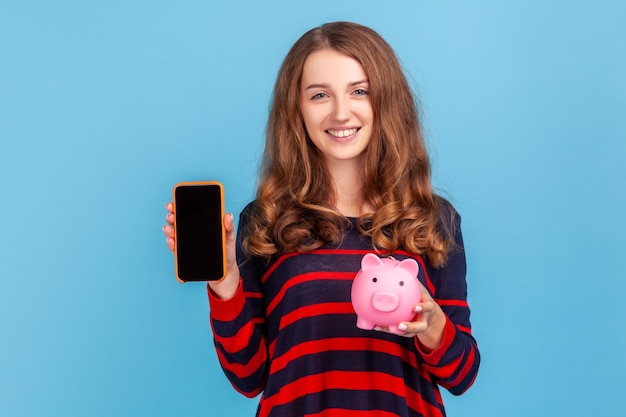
pixel 344 133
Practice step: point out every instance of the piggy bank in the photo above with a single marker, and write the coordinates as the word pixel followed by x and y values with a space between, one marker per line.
pixel 384 292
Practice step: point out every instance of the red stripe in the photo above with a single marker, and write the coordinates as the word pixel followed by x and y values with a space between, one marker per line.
pixel 277 263
pixel 272 348
pixel 346 380
pixel 244 370
pixel 468 386
pixel 251 294
pixel 310 276
pixel 445 371
pixel 469 361
pixel 239 340
pixel 452 303
pixel 464 329
pixel 439 397
pixel 341 412
pixel 226 310
pixel 316 310
pixel 433 357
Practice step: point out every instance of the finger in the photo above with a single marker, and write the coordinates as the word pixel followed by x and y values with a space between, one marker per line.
pixel 168 231
pixel 386 329
pixel 229 223
pixel 229 226
pixel 169 237
pixel 169 207
pixel 412 328
pixel 170 218
pixel 401 330
pixel 425 306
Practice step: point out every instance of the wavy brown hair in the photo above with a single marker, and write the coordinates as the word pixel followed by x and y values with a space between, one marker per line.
pixel 294 209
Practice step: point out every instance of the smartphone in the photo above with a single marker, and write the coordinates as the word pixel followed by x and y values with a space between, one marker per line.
pixel 200 238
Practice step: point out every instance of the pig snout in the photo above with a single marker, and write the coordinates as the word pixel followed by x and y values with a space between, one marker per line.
pixel 385 301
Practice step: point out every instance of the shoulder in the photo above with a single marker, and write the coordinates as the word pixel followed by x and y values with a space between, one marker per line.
pixel 447 215
pixel 247 212
pixel 245 229
pixel 449 225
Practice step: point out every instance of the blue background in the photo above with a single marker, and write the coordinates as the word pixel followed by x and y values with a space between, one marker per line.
pixel 105 105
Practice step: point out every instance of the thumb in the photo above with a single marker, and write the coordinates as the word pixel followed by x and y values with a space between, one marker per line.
pixel 229 227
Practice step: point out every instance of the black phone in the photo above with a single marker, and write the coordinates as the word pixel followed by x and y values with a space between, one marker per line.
pixel 200 238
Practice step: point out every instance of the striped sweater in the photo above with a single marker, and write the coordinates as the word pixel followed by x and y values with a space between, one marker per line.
pixel 290 333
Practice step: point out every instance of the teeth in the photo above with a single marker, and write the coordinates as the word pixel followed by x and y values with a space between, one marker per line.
pixel 342 133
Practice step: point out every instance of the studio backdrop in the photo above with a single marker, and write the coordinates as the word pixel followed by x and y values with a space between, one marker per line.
pixel 104 106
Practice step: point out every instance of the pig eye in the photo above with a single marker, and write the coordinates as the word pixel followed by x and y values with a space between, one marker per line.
pixel 374 279
pixel 401 283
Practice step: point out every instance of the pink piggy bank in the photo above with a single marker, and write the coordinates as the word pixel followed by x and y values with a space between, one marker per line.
pixel 384 292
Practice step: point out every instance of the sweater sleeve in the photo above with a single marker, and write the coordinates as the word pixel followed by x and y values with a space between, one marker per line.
pixel 455 362
pixel 238 326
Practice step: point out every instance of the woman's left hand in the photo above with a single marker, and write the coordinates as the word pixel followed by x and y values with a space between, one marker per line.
pixel 429 322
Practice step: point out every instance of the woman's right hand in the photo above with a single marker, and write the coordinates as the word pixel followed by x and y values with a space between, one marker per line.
pixel 168 229
pixel 227 287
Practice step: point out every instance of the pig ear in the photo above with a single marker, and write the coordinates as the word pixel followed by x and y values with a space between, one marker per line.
pixel 370 260
pixel 410 265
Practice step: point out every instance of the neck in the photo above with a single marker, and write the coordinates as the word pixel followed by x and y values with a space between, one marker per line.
pixel 348 181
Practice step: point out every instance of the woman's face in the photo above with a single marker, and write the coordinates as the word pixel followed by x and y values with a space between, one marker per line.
pixel 335 105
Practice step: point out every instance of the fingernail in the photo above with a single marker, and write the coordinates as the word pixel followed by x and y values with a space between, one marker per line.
pixel 402 326
pixel 378 328
pixel 417 309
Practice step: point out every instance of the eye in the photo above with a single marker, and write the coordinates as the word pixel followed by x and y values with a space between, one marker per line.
pixel 401 283
pixel 374 279
pixel 360 92
pixel 319 96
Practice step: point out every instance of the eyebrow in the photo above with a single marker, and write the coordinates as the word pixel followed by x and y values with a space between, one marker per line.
pixel 352 84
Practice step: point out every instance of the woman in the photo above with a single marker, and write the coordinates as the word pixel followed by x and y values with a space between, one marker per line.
pixel 345 172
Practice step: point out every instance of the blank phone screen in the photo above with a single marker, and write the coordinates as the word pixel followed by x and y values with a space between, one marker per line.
pixel 199 238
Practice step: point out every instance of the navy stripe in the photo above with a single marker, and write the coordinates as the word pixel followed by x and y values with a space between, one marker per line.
pixel 230 328
pixel 328 327
pixel 348 400
pixel 248 384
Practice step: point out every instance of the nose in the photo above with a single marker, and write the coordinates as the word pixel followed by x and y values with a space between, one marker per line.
pixel 341 109
pixel 385 301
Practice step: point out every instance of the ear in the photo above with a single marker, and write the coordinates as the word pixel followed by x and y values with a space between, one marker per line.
pixel 411 266
pixel 370 260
